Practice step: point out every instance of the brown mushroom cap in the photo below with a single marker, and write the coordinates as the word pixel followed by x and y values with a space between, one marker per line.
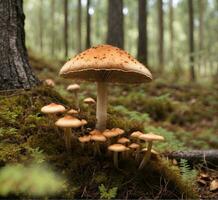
pixel 68 122
pixel 73 87
pixel 117 148
pixel 72 111
pixel 84 122
pixel 136 134
pixel 95 132
pixel 85 138
pixel 89 100
pixel 123 140
pixel 118 131
pixel 98 138
pixel 134 146
pixel 151 137
pixel 110 133
pixel 53 108
pixel 106 63
pixel 49 82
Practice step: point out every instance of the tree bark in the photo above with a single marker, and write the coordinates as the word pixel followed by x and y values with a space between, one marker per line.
pixel 115 35
pixel 15 70
pixel 171 29
pixel 88 26
pixel 160 36
pixel 201 23
pixel 142 32
pixel 66 28
pixel 52 28
pixel 196 156
pixel 79 21
pixel 191 40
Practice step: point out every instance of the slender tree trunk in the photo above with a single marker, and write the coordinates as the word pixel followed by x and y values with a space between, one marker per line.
pixel 97 24
pixel 115 35
pixel 41 25
pixel 66 27
pixel 191 39
pixel 15 71
pixel 79 21
pixel 142 32
pixel 201 23
pixel 160 36
pixel 171 29
pixel 52 28
pixel 88 26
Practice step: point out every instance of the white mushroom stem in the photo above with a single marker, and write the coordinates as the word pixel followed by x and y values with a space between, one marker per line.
pixel 147 155
pixel 101 110
pixel 67 138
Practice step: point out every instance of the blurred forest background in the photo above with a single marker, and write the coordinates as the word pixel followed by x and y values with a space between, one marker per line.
pixel 176 36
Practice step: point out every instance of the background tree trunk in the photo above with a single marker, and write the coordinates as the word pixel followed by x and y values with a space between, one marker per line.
pixel 171 29
pixel 115 35
pixel 142 32
pixel 41 25
pixel 14 66
pixel 52 28
pixel 191 39
pixel 160 36
pixel 79 21
pixel 201 23
pixel 66 27
pixel 88 26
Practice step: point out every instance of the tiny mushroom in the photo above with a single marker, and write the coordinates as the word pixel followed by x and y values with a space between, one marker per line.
pixel 84 122
pixel 67 122
pixel 110 134
pixel 123 140
pixel 84 139
pixel 149 137
pixel 105 64
pixel 49 82
pixel 72 112
pixel 136 135
pixel 74 89
pixel 136 148
pixel 116 148
pixel 98 138
pixel 89 101
pixel 52 109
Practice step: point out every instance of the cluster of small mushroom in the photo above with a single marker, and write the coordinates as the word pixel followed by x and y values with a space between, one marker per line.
pixel 117 143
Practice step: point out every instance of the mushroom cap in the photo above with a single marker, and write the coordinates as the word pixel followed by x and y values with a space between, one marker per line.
pixel 106 63
pixel 98 138
pixel 89 100
pixel 123 140
pixel 72 111
pixel 85 138
pixel 84 122
pixel 151 137
pixel 68 122
pixel 117 148
pixel 118 131
pixel 73 87
pixel 136 134
pixel 49 82
pixel 53 108
pixel 110 133
pixel 95 132
pixel 134 146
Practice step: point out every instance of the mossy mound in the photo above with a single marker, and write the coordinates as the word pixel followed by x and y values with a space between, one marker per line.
pixel 26 134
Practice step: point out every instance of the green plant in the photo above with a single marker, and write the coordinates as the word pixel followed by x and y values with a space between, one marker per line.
pixel 188 174
pixel 107 194
pixel 37 155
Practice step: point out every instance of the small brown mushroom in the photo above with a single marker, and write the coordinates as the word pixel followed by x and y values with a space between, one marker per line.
pixel 49 82
pixel 89 101
pixel 74 89
pixel 98 138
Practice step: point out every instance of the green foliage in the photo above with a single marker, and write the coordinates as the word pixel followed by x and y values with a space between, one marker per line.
pixel 188 174
pixel 32 181
pixel 37 155
pixel 107 193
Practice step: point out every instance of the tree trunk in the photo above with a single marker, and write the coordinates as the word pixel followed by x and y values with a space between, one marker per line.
pixel 160 36
pixel 171 29
pixel 66 27
pixel 79 21
pixel 88 26
pixel 115 35
pixel 142 32
pixel 191 39
pixel 41 25
pixel 14 65
pixel 52 28
pixel 196 156
pixel 201 23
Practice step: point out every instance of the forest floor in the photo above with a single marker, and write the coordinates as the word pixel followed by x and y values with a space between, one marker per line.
pixel 185 114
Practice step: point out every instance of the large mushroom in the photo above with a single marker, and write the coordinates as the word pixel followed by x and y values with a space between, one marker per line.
pixel 105 64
